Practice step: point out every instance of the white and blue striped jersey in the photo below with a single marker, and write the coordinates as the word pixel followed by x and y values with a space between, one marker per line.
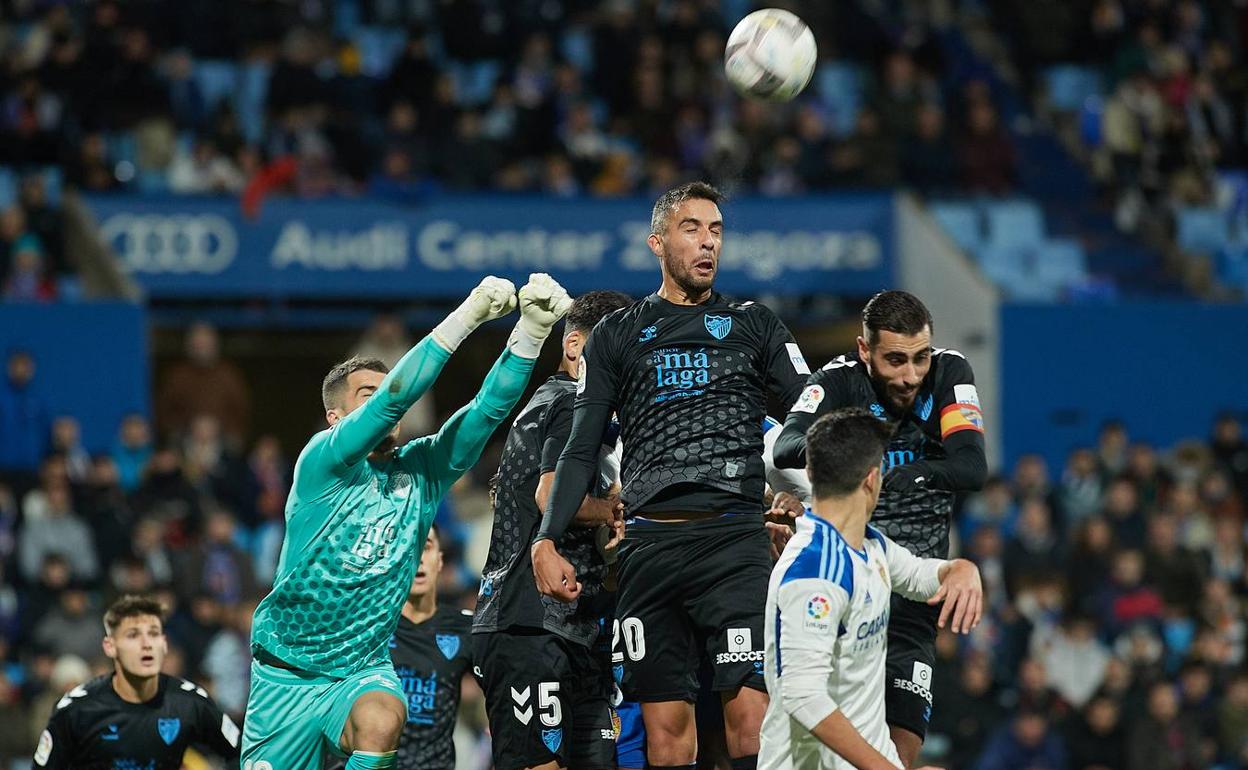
pixel 826 630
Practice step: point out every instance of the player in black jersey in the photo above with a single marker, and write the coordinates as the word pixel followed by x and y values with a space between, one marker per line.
pixel 937 450
pixel 431 653
pixel 688 372
pixel 547 688
pixel 135 717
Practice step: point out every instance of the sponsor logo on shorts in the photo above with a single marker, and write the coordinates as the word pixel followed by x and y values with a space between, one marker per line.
pixel 911 687
pixel 607 735
pixel 740 647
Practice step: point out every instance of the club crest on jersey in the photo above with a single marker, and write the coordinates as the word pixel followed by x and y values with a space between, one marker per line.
pixel 448 644
pixel 877 409
pixel 718 325
pixel 647 334
pixel 168 729
pixel 553 738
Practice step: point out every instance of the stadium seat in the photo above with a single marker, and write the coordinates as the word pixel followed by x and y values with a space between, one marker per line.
pixel 1204 230
pixel 253 91
pixel 217 80
pixel 577 46
pixel 840 89
pixel 8 187
pixel 379 47
pixel 1070 86
pixel 53 183
pixel 961 221
pixel 474 81
pixel 1060 262
pixel 1015 224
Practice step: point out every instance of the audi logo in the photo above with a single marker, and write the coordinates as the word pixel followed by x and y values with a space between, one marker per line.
pixel 172 243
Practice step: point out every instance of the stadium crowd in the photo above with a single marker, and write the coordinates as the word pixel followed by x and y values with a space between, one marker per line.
pixel 1115 636
pixel 564 97
pixel 1174 96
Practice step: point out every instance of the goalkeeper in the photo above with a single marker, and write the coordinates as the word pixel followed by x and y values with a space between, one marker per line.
pixel 358 514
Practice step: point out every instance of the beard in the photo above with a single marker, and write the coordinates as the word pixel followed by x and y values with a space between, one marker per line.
pixel 684 276
pixel 895 401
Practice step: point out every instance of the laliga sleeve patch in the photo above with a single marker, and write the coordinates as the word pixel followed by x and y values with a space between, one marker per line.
pixel 966 394
pixel 581 369
pixel 810 399
pixel 229 730
pixel 795 355
pixel 818 614
pixel 44 752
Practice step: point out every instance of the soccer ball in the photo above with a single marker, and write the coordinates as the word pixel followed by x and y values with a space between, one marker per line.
pixel 770 55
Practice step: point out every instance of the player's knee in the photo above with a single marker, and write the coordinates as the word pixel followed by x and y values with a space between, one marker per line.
pixel 671 742
pixel 376 725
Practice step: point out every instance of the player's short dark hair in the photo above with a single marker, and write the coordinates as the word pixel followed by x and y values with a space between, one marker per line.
pixel 589 308
pixel 899 312
pixel 841 449
pixel 336 380
pixel 676 196
pixel 131 606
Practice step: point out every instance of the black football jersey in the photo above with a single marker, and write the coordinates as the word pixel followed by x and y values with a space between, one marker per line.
pixel 431 658
pixel 508 597
pixel 946 403
pixel 689 384
pixel 92 728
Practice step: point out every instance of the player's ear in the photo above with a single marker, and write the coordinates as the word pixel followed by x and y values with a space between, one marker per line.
pixel 871 484
pixel 332 417
pixel 864 350
pixel 656 245
pixel 573 342
pixel 110 649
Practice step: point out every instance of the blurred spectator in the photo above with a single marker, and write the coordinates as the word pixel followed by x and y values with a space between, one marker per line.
pixel 227 660
pixel 1074 660
pixel 1123 513
pixel 1097 738
pixel 1088 568
pixel 969 715
pixel 1164 739
pixel 987 156
pixel 1028 741
pixel 217 567
pixel 66 673
pixel 24 423
pixel 992 506
pixel 132 450
pixel 1174 569
pixel 59 532
pixel 1233 720
pixel 204 170
pixel 1081 487
pixel 204 383
pixel 1126 599
pixel 107 510
pixel 67 442
pixel 214 469
pixel 71 627
pixel 167 495
pixel 148 546
pixel 1034 552
pixel 1231 451
pixel 928 161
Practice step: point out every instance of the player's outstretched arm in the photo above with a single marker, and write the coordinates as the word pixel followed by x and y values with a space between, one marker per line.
pixel 956 583
pixel 358 433
pixel 455 448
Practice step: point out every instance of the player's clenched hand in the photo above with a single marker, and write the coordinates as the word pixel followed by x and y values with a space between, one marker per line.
pixel 542 303
pixel 785 507
pixel 493 298
pixel 963 595
pixel 554 574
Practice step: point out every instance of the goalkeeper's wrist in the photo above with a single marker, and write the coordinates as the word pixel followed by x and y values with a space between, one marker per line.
pixel 527 338
pixel 453 330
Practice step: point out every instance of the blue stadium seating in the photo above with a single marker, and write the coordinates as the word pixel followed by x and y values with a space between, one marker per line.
pixel 840 89
pixel 217 80
pixel 1015 223
pixel 8 187
pixel 1061 262
pixel 379 47
pixel 1203 230
pixel 962 222
pixel 1070 86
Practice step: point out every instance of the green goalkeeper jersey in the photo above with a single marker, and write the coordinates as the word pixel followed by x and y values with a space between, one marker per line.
pixel 355 529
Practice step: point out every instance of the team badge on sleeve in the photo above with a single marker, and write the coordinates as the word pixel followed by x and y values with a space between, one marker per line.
pixel 966 394
pixel 809 400
pixel 580 376
pixel 959 417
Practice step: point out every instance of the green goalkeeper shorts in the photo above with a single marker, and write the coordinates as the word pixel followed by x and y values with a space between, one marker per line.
pixel 295 719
